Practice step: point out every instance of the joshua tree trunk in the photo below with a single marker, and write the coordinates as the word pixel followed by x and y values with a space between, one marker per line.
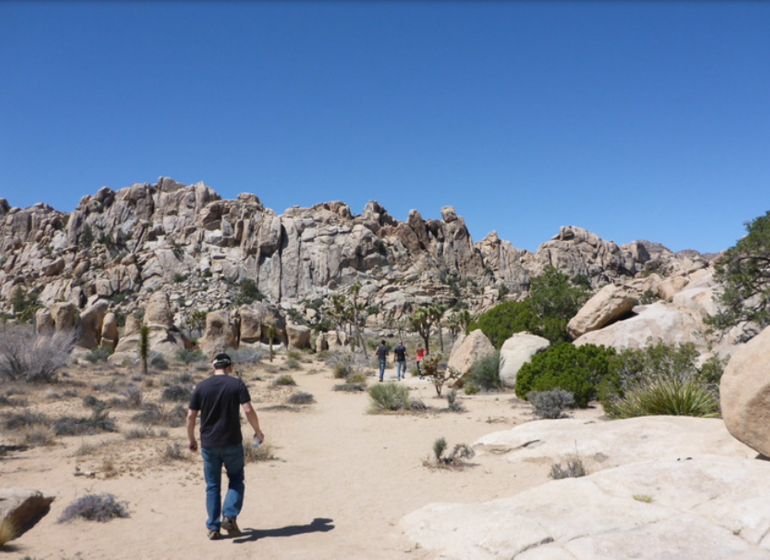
pixel 270 337
pixel 144 346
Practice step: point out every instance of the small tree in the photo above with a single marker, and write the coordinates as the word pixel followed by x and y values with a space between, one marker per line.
pixel 144 346
pixel 431 367
pixel 270 337
pixel 422 321
pixel 436 313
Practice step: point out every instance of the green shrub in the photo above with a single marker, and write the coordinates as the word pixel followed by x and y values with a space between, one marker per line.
pixel 452 403
pixel 99 354
pixel 455 458
pixel 389 397
pixel 670 397
pixel 301 398
pixel 485 372
pixel 578 370
pixel 247 293
pixel 502 321
pixel 190 356
pixel 284 381
pixel 574 469
pixel 94 507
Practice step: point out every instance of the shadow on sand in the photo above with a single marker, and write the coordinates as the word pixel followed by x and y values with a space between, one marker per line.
pixel 318 525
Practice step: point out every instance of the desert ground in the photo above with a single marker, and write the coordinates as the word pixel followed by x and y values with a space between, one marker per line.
pixel 339 480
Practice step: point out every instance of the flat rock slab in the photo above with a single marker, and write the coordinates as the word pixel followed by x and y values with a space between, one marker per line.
pixel 609 443
pixel 707 507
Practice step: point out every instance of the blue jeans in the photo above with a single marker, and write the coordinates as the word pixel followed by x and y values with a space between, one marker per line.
pixel 382 369
pixel 213 459
pixel 400 366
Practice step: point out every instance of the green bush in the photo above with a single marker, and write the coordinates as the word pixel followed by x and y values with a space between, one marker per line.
pixel 578 370
pixel 669 397
pixel 389 397
pixel 99 354
pixel 551 404
pixel 502 321
pixel 190 356
pixel 485 373
pixel 284 381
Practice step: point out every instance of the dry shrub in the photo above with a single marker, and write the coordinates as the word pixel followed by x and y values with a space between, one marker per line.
pixel 264 452
pixel 34 358
pixel 94 507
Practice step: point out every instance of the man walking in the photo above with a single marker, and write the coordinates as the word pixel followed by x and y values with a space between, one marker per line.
pixel 400 353
pixel 382 356
pixel 218 399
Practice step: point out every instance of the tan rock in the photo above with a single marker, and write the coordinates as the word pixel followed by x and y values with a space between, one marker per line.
pixel 158 311
pixel 298 336
pixel 607 305
pixel 517 351
pixel 21 506
pixel 745 393
pixel 219 335
pixel 472 347
pixel 110 331
pixel 91 324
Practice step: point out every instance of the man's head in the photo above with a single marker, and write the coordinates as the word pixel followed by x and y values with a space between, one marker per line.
pixel 222 362
pixel 382 343
pixel 400 342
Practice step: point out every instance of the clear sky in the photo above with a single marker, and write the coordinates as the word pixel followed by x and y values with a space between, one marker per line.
pixel 634 120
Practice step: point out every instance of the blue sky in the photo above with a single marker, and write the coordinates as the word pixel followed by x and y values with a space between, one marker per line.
pixel 634 120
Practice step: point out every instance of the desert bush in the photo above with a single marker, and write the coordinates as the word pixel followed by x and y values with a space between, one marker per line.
pixel 38 436
pixel 157 361
pixel 436 370
pixel 99 421
pixel 175 393
pixel 579 370
pixel 455 458
pixel 502 321
pixel 156 415
pixel 284 381
pixel 416 405
pixel 485 373
pixel 389 397
pixel 190 356
pixel 25 419
pixel 140 433
pixel 301 398
pixel 175 452
pixel 94 507
pixel 662 379
pixel 346 364
pixel 86 449
pixel 90 401
pixel 452 403
pixel 551 404
pixel 292 363
pixel 133 396
pixel 264 452
pixel 33 358
pixel 350 387
pixel 99 354
pixel 573 469
pixel 245 355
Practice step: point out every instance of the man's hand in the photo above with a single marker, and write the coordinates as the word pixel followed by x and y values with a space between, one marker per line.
pixel 193 446
pixel 260 435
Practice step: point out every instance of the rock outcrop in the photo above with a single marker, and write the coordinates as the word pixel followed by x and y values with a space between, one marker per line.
pixel 517 351
pixel 20 507
pixel 467 349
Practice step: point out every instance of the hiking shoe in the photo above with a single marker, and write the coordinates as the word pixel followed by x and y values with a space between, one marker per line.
pixel 230 526
pixel 214 535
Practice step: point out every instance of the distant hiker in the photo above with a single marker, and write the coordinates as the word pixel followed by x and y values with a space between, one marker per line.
pixel 400 354
pixel 382 356
pixel 218 399
pixel 420 356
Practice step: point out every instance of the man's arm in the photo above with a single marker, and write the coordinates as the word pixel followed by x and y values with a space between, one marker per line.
pixel 191 416
pixel 251 416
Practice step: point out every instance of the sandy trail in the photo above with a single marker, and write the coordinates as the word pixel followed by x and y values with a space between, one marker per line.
pixel 342 480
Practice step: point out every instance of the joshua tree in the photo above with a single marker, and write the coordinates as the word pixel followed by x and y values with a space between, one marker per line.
pixel 436 314
pixel 144 346
pixel 422 321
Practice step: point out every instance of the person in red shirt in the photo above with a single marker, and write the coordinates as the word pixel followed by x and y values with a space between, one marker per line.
pixel 420 355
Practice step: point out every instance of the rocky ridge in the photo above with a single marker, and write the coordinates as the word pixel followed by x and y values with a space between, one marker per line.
pixel 121 246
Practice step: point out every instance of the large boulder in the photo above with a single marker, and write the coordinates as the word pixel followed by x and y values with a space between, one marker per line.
pixel 20 506
pixel 158 313
pixel 607 305
pixel 91 324
pixel 745 393
pixel 109 337
pixel 299 336
pixel 517 351
pixel 257 319
pixel 219 335
pixel 466 351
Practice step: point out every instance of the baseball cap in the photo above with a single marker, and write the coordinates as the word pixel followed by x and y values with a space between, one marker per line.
pixel 222 361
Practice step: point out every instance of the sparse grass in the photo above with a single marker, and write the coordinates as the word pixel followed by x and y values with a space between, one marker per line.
pixel 140 433
pixel 454 459
pixel 94 507
pixel 284 381
pixel 86 449
pixel 38 436
pixel 389 396
pixel 300 398
pixel 99 421
pixel 574 469
pixel 350 387
pixel 24 419
pixel 292 363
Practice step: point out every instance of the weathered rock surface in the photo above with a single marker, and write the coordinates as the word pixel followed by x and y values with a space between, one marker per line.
pixel 517 351
pixel 21 506
pixel 745 393
pixel 220 334
pixel 707 507
pixel 298 336
pixel 607 305
pixel 467 349
pixel 659 487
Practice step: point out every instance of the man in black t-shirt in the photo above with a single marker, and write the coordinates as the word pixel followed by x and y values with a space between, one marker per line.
pixel 218 399
pixel 382 357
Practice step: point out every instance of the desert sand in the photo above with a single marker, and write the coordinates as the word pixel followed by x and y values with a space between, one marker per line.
pixel 341 479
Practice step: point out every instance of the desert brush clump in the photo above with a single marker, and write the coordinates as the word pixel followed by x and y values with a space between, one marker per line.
pixel 573 469
pixel 389 396
pixel 456 458
pixel 174 452
pixel 551 404
pixel 264 452
pixel 437 371
pixel 99 421
pixel 300 398
pixel 245 355
pixel 284 381
pixel 177 393
pixel 453 404
pixel 94 507
pixel 154 414
pixel 190 356
pixel 99 354
pixel 485 373
pixel 34 358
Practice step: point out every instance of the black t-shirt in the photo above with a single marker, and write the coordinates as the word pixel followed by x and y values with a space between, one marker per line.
pixel 400 353
pixel 218 399
pixel 382 352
